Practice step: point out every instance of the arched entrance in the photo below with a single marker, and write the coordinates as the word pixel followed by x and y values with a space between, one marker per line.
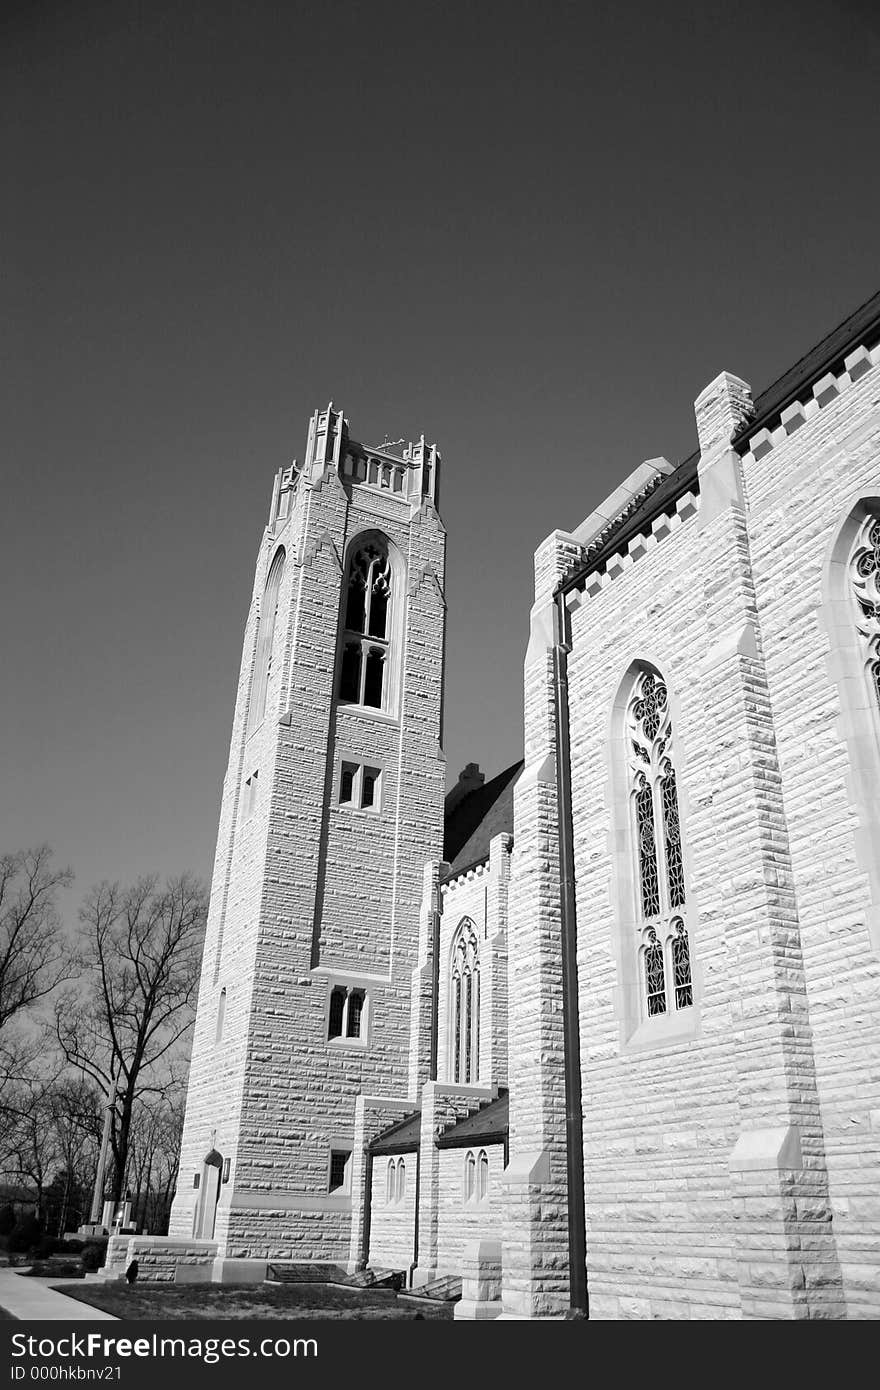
pixel 205 1213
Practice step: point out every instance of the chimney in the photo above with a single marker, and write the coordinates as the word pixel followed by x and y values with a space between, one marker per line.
pixel 469 780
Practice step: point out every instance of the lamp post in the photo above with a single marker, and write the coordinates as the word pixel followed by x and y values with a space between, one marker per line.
pixel 116 1085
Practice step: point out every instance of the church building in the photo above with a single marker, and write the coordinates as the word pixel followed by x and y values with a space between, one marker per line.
pixel 599 1034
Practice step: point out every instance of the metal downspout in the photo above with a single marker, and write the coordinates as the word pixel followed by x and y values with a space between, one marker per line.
pixel 415 1262
pixel 368 1206
pixel 574 1124
pixel 435 981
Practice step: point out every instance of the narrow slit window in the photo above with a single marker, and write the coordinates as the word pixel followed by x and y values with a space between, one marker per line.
pixel 337 1010
pixel 339 1166
pixel 370 786
pixel 355 1013
pixel 470 1171
pixel 346 783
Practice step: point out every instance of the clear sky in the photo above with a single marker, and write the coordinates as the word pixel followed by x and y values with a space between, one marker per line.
pixel 534 231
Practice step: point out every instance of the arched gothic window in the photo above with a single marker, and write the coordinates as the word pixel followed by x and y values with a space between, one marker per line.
pixel 483 1176
pixel 364 676
pixel 265 640
pixel 470 1176
pixel 864 573
pixel 395 1181
pixel 664 949
pixel 465 999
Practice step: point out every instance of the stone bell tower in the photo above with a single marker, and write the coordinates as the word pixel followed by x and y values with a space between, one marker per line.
pixel 331 805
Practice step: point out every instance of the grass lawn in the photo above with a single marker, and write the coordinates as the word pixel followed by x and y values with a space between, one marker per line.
pixel 158 1302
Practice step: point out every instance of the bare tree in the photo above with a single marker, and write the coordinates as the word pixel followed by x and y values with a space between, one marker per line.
pixel 139 956
pixel 32 951
pixel 76 1113
pixel 35 1149
pixel 157 1123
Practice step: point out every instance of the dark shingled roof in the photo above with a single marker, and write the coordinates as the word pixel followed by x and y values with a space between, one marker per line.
pixel 402 1137
pixel 482 814
pixel 863 326
pixel 488 1125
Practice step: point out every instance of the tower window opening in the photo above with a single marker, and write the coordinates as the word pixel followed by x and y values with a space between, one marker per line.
pixel 347 1014
pixel 366 638
pixel 360 786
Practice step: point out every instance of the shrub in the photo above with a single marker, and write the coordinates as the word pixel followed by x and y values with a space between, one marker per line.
pixel 93 1255
pixel 26 1234
pixel 46 1246
pixel 7 1220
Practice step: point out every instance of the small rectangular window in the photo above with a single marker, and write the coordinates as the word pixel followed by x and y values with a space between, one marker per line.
pixel 360 786
pixel 355 1011
pixel 347 1015
pixel 346 783
pixel 337 1013
pixel 340 1160
pixel 370 787
pixel 250 794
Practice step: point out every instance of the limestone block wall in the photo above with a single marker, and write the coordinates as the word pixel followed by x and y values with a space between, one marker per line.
pixel 480 895
pixel 731 1160
pixel 660 1120
pixel 314 893
pixel 460 1219
pixel 217 1068
pixel 392 1228
pixel 804 480
pixel 441 1104
pixel 535 1240
pixel 373 1114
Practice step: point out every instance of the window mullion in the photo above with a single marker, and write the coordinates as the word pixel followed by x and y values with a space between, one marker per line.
pixel 660 846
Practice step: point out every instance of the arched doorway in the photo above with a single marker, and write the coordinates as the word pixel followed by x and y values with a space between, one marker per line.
pixel 205 1213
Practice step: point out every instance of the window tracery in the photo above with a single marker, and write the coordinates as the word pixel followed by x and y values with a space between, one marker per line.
pixel 865 579
pixel 465 1039
pixel 664 949
pixel 366 648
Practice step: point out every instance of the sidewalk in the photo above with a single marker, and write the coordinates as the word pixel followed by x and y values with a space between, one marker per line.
pixel 29 1300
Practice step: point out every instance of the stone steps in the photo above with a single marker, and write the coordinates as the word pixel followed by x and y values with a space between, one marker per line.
pixel 445 1290
pixel 284 1272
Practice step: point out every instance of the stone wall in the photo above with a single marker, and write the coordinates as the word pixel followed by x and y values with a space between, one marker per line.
pixel 311 893
pixel 731 1162
pixel 460 1219
pixel 392 1226
pixel 802 495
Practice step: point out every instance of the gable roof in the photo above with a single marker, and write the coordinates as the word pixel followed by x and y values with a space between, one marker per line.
pixel 862 326
pixel 402 1137
pixel 478 818
pixel 488 1125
